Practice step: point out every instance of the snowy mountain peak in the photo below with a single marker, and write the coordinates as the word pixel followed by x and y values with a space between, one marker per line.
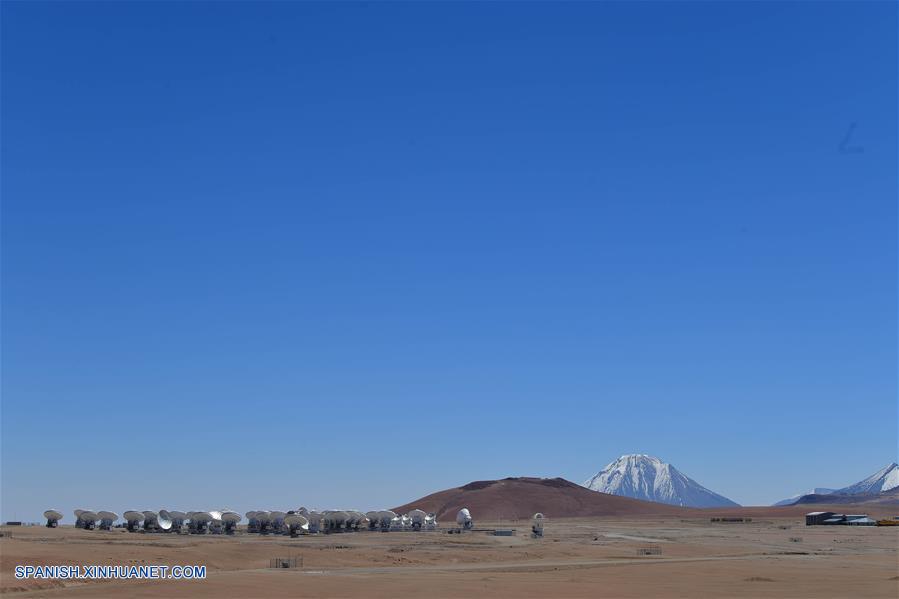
pixel 647 477
pixel 883 480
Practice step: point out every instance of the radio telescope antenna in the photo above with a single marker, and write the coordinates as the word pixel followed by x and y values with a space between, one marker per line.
pixel 133 519
pixel 463 519
pixel 107 519
pixel 230 520
pixel 53 517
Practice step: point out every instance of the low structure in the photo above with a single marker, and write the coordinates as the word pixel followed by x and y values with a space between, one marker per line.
pixel 831 519
pixel 815 518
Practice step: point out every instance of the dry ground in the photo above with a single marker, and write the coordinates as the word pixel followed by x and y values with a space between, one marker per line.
pixel 590 557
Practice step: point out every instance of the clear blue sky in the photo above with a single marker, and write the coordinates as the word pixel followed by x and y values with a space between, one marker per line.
pixel 289 254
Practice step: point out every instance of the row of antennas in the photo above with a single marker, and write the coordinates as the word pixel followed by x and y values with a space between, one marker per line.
pixel 214 521
pixel 294 522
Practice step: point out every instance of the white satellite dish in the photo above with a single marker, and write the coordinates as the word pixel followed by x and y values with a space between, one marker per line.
pixel 53 517
pixel 296 524
pixel 315 520
pixel 230 520
pixel 463 519
pixel 199 522
pixel 385 518
pixel 264 521
pixel 334 520
pixel 537 525
pixel 373 520
pixel 107 519
pixel 88 519
pixel 252 521
pixel 79 523
pixel 151 520
pixel 133 519
pixel 356 519
pixel 175 518
pixel 163 521
pixel 431 522
pixel 417 519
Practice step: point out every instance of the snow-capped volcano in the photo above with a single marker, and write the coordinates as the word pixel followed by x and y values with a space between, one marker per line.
pixel 883 480
pixel 645 477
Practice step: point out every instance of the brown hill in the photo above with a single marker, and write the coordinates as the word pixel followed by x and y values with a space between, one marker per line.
pixel 512 498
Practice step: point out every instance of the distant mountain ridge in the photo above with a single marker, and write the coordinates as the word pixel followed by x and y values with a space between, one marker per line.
pixel 883 482
pixel 645 477
pixel 795 498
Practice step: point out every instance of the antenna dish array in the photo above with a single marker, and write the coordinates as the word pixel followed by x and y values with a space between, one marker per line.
pixel 293 522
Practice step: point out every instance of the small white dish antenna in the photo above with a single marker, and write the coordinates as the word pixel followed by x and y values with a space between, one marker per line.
pixel 133 519
pixel 88 519
pixel 431 522
pixel 53 517
pixel 463 519
pixel 537 525
pixel 385 517
pixel 151 520
pixel 230 520
pixel 417 519
pixel 107 519
pixel 163 521
pixel 296 524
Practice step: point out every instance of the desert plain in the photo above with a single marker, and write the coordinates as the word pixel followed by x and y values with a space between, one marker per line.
pixel 577 557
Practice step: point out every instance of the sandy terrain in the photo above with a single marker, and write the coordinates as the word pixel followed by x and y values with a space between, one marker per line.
pixel 577 558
